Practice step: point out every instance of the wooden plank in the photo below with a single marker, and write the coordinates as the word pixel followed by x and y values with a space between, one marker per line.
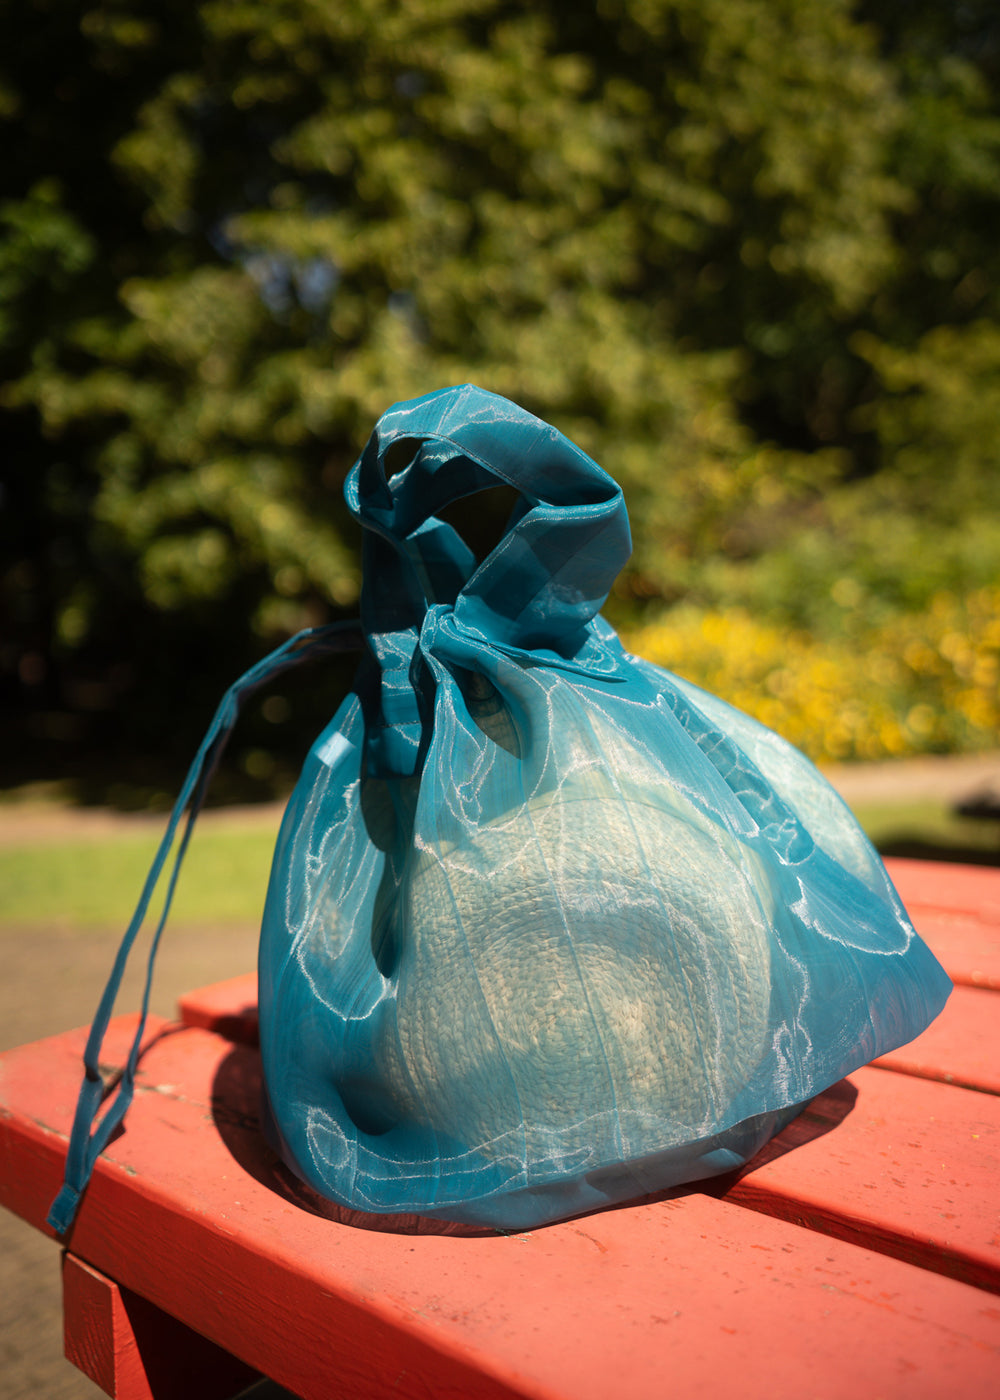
pixel 190 1210
pixel 134 1351
pixel 971 891
pixel 956 910
pixel 959 1047
pixel 967 948
pixel 899 1164
pixel 953 889
pixel 229 1008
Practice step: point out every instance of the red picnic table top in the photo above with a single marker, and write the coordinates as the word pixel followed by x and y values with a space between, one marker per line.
pixel 858 1254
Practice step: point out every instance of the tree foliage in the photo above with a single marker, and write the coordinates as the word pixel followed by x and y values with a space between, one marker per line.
pixel 742 251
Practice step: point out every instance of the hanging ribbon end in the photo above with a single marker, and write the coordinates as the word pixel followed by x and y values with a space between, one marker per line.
pixel 63 1210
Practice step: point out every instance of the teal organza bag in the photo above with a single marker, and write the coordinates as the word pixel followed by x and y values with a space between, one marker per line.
pixel 547 927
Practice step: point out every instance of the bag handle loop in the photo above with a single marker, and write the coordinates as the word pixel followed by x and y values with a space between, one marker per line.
pixel 540 586
pixel 552 571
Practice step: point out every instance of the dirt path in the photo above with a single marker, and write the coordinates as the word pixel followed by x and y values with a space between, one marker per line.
pixel 943 779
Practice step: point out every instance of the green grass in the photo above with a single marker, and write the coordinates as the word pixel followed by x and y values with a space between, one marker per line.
pixel 91 883
pixel 96 882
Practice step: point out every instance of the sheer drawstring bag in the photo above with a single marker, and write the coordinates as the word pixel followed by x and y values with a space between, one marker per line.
pixel 548 928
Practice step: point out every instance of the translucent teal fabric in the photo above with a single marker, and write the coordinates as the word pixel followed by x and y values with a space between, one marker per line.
pixel 548 927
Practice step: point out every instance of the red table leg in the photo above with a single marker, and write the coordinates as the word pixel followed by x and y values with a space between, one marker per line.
pixel 135 1351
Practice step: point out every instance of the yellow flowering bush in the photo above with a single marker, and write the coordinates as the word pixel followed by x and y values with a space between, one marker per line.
pixel 917 683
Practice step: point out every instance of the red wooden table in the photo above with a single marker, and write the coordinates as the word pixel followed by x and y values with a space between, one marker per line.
pixel 859 1254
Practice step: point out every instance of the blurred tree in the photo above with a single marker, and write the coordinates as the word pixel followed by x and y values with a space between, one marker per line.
pixel 692 233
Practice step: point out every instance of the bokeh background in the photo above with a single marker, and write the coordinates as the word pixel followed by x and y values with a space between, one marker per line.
pixel 744 252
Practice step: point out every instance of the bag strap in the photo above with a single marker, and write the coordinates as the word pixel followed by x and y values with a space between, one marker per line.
pixel 539 588
pixel 85 1145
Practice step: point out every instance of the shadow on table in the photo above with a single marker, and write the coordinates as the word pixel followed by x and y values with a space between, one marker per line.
pixel 236 1112
pixel 915 849
pixel 819 1117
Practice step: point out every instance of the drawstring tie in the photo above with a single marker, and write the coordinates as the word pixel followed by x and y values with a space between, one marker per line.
pixel 86 1142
